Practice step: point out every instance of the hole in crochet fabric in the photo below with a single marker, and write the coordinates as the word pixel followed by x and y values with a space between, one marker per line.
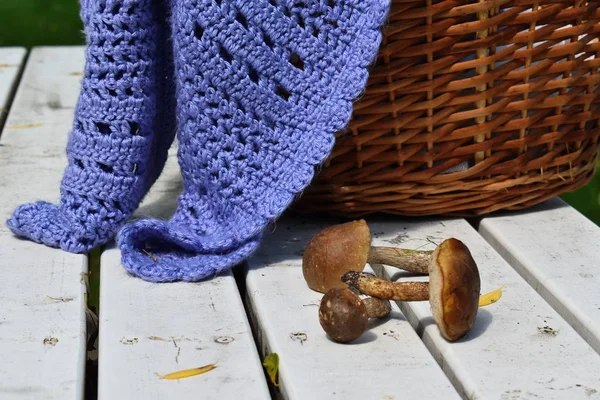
pixel 268 41
pixel 241 18
pixel 198 31
pixel 333 23
pixel 109 58
pixel 85 242
pixel 117 42
pixel 103 128
pixel 106 168
pixel 282 92
pixel 119 75
pixel 296 61
pixel 301 22
pixel 315 32
pixel 331 3
pixel 225 54
pixel 273 3
pixel 134 127
pixel 117 205
pixel 252 74
pixel 115 9
pixel 111 92
pixel 286 12
pixel 129 91
pixel 193 212
pixel 102 75
pixel 78 163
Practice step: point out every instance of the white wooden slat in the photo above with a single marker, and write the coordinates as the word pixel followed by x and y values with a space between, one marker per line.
pixel 519 347
pixel 557 250
pixel 388 361
pixel 11 61
pixel 42 341
pixel 147 328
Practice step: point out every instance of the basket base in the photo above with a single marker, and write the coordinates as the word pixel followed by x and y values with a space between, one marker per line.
pixel 415 200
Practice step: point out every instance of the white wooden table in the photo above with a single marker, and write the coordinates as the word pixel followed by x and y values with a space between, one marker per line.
pixel 541 340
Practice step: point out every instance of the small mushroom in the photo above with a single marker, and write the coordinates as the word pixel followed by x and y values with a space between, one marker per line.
pixel 347 247
pixel 344 315
pixel 452 290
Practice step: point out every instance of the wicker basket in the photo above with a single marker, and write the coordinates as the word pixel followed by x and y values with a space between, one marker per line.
pixel 471 108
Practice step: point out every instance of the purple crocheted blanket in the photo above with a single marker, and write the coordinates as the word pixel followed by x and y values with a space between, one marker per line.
pixel 255 90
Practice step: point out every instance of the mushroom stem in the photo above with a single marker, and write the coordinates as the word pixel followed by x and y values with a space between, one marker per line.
pixel 383 289
pixel 416 261
pixel 377 308
pixel 452 290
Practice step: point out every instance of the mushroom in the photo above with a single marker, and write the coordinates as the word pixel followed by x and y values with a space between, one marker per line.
pixel 347 247
pixel 344 315
pixel 452 290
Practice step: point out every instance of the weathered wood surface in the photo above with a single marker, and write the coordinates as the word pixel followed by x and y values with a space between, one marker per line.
pixel 388 361
pixel 11 62
pixel 538 341
pixel 557 250
pixel 519 347
pixel 148 328
pixel 42 316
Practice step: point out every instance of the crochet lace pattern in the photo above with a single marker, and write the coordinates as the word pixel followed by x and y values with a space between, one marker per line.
pixel 262 87
pixel 259 87
pixel 114 152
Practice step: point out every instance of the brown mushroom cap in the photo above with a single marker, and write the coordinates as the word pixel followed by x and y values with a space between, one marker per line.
pixel 453 289
pixel 333 251
pixel 342 315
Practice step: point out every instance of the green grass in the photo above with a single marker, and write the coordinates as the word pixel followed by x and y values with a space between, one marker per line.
pixel 57 22
pixel 40 22
pixel 587 199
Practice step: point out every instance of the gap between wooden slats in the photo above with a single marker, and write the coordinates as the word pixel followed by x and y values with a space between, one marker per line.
pixel 42 317
pixel 557 250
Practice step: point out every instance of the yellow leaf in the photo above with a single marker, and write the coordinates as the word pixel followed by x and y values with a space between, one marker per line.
pixel 271 363
pixel 24 126
pixel 186 373
pixel 490 298
pixel 158 338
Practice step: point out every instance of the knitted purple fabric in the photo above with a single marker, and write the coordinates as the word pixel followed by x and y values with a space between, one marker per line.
pixel 124 123
pixel 262 87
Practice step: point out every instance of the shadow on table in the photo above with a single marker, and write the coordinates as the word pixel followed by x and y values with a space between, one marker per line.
pixel 483 321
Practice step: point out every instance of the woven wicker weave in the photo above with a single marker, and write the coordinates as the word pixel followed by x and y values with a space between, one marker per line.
pixel 506 93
